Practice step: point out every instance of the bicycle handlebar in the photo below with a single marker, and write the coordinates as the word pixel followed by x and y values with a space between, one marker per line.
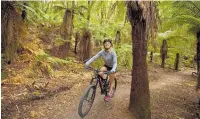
pixel 96 70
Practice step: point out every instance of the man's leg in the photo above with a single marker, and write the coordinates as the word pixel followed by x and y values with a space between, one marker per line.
pixel 101 73
pixel 112 78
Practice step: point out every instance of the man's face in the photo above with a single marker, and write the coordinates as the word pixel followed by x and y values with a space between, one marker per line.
pixel 107 45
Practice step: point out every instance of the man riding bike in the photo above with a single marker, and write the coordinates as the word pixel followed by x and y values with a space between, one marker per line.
pixel 110 64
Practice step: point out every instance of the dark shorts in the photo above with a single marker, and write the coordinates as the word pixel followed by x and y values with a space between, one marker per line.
pixel 108 68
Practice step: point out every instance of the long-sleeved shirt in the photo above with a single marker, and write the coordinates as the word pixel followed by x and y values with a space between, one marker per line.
pixel 110 59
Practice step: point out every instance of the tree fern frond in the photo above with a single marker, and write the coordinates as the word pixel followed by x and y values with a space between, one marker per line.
pixel 81 7
pixel 182 20
pixel 59 7
pixel 187 7
pixel 196 4
pixel 187 19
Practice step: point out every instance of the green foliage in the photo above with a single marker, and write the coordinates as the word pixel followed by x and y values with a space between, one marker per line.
pixel 180 22
pixel 4 75
pixel 69 59
pixel 124 55
pixel 106 18
pixel 156 57
pixel 189 62
pixel 179 14
pixel 170 60
pixel 45 64
pixel 59 41
pixel 58 62
pixel 41 56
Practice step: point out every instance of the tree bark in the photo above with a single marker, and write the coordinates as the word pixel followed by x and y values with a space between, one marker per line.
pixel 11 30
pixel 117 38
pixel 77 39
pixel 163 53
pixel 198 56
pixel 89 11
pixel 140 96
pixel 151 56
pixel 66 29
pixel 85 45
pixel 198 59
pixel 176 61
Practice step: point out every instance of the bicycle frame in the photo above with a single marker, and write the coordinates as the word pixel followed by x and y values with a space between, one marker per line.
pixel 99 80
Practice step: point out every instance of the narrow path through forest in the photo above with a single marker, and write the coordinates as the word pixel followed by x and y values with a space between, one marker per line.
pixel 173 95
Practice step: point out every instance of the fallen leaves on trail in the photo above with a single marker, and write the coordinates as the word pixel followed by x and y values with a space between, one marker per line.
pixel 14 80
pixel 35 114
pixel 191 84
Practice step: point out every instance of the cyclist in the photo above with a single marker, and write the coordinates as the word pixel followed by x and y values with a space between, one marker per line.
pixel 110 64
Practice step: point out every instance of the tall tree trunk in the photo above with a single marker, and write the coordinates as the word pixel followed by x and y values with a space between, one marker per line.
pixel 176 61
pixel 73 12
pixel 151 56
pixel 198 56
pixel 73 9
pixel 85 45
pixel 66 30
pixel 77 39
pixel 118 37
pixel 140 96
pixel 163 53
pixel 198 59
pixel 89 11
pixel 163 61
pixel 11 30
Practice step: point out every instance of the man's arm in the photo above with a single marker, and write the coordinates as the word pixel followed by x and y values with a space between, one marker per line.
pixel 115 62
pixel 93 58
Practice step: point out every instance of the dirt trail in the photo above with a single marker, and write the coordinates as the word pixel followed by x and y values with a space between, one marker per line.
pixel 172 96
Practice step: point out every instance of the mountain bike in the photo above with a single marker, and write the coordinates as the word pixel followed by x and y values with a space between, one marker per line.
pixel 88 97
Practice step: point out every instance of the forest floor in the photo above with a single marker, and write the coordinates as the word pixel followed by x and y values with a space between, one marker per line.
pixel 173 96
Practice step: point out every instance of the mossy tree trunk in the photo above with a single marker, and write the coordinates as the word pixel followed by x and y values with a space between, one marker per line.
pixel 163 53
pixel 77 39
pixel 85 45
pixel 117 37
pixel 140 96
pixel 66 31
pixel 176 61
pixel 151 56
pixel 11 30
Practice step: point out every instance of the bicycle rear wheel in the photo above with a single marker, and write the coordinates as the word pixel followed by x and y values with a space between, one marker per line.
pixel 86 101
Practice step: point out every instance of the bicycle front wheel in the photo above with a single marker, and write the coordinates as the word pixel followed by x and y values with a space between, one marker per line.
pixel 86 101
